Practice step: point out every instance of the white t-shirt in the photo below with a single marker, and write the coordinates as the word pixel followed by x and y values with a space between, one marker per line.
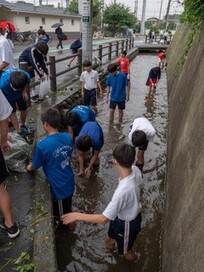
pixel 125 202
pixel 143 124
pixel 5 107
pixel 6 53
pixel 90 79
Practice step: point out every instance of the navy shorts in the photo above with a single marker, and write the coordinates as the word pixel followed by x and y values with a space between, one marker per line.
pixel 120 104
pixel 144 145
pixel 21 103
pixel 61 207
pixel 4 172
pixel 90 97
pixel 125 233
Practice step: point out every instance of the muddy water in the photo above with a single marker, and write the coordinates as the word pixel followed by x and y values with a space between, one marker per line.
pixel 82 250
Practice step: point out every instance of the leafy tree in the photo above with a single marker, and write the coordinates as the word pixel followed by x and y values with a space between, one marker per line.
pixel 162 25
pixel 149 25
pixel 23 2
pixel 97 4
pixel 136 28
pixel 73 6
pixel 171 26
pixel 193 11
pixel 117 17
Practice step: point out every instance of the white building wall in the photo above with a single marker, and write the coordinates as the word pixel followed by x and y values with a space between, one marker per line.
pixel 36 21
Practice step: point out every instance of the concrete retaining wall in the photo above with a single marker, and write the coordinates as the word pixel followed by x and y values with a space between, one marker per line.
pixel 183 246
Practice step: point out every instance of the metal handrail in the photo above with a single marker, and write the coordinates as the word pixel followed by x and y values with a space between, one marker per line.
pixel 113 47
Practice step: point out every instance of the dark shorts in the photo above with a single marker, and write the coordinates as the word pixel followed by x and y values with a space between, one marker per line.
pixel 4 172
pixel 22 105
pixel 90 97
pixel 144 145
pixel 120 104
pixel 61 207
pixel 125 233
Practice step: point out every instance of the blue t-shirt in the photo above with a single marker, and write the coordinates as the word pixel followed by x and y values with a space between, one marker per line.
pixel 6 88
pixel 117 84
pixel 95 132
pixel 85 114
pixel 53 154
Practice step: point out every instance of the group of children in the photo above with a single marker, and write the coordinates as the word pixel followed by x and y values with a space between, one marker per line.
pixel 14 91
pixel 54 153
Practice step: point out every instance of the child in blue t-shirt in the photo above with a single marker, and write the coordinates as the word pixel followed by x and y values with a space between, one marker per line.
pixel 77 117
pixel 53 154
pixel 90 136
pixel 14 84
pixel 117 86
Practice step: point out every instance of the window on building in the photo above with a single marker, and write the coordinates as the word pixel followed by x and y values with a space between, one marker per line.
pixel 61 21
pixel 27 20
pixel 72 22
pixel 43 21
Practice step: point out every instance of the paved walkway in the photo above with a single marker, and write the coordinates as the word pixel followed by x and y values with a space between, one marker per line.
pixel 66 45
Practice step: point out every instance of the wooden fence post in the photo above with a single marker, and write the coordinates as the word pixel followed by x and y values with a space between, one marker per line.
pixel 130 43
pixel 123 45
pixel 100 52
pixel 53 81
pixel 79 62
pixel 109 53
pixel 126 45
pixel 117 48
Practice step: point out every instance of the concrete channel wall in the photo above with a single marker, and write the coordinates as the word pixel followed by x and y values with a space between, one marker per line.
pixel 183 244
pixel 44 236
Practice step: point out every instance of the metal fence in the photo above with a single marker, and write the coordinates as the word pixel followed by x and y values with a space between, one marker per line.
pixel 105 53
pixel 159 39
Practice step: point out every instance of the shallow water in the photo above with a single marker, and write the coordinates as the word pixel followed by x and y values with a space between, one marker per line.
pixel 82 250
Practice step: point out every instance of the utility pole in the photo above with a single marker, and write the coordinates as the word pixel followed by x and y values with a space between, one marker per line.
pixel 102 10
pixel 160 10
pixel 85 9
pixel 136 8
pixel 167 14
pixel 67 3
pixel 142 28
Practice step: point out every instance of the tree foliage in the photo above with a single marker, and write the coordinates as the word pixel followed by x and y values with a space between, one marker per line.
pixel 97 4
pixel 117 17
pixel 73 6
pixel 193 11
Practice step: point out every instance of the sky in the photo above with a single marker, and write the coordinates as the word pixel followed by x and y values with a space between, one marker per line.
pixel 152 7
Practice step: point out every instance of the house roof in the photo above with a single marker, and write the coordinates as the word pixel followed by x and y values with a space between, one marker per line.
pixel 154 19
pixel 30 8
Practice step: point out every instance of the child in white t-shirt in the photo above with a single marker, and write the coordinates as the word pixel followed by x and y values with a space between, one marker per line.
pixel 124 216
pixel 141 132
pixel 90 82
